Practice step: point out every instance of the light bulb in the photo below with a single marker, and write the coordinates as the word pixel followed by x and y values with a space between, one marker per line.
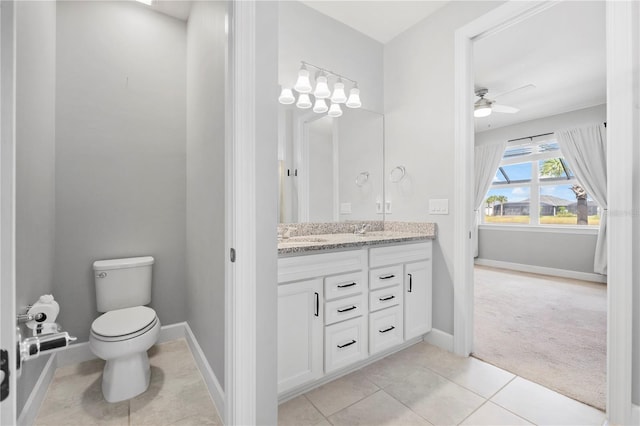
pixel 335 111
pixel 338 97
pixel 320 106
pixel 303 85
pixel 304 102
pixel 286 97
pixel 322 88
pixel 354 98
pixel 482 111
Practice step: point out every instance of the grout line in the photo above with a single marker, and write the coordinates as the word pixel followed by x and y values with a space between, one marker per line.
pixel 471 413
pixel 366 396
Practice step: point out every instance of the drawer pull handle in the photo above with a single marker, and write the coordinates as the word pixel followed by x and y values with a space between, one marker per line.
pixel 386 277
pixel 384 299
pixel 317 313
pixel 350 308
pixel 410 283
pixel 347 344
pixel 346 285
pixel 386 329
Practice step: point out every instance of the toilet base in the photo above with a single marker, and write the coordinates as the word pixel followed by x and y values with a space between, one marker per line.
pixel 126 377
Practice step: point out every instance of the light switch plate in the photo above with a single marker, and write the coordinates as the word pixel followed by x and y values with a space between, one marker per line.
pixel 439 206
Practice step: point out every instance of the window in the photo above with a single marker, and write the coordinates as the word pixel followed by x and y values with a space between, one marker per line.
pixel 533 185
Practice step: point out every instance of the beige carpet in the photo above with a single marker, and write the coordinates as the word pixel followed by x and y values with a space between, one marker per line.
pixel 549 330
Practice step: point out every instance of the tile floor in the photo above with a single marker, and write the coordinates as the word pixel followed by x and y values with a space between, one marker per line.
pixel 177 394
pixel 424 385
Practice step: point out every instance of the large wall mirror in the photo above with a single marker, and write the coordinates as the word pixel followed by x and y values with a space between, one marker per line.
pixel 331 169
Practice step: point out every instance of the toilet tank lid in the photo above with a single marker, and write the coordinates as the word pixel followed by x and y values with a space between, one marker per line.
pixel 129 262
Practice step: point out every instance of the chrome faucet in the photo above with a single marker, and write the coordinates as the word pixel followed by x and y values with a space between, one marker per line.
pixel 362 229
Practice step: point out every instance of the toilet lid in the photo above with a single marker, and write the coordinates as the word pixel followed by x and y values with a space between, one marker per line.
pixel 123 321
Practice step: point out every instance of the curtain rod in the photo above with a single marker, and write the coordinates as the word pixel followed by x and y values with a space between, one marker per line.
pixel 537 136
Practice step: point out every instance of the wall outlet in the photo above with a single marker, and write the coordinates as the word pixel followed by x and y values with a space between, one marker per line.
pixel 345 208
pixel 387 207
pixel 379 207
pixel 439 206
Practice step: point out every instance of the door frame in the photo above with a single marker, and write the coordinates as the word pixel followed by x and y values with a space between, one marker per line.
pixel 620 127
pixel 8 407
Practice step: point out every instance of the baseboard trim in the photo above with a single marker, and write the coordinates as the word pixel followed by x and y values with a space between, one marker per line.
pixel 440 339
pixel 81 352
pixel 210 379
pixel 635 414
pixel 30 410
pixel 543 270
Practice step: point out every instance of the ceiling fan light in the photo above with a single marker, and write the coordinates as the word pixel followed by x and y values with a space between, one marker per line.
pixel 482 111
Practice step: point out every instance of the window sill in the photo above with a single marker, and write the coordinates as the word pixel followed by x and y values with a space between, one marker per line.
pixel 591 230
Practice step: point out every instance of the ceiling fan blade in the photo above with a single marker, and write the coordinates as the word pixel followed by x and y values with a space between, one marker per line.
pixel 517 89
pixel 504 108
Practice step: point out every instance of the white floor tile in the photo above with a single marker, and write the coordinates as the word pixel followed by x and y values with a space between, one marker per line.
pixel 543 406
pixel 491 414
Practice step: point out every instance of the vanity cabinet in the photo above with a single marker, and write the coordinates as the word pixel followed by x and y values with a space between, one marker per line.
pixel 300 333
pixel 338 308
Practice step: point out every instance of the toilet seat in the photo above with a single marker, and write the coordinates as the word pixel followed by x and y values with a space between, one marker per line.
pixel 124 324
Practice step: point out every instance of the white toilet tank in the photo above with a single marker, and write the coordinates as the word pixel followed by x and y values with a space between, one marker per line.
pixel 123 283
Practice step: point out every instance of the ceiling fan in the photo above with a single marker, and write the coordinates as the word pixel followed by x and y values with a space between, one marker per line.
pixel 483 107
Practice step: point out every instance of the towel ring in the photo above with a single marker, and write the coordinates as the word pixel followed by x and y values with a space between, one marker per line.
pixel 397 174
pixel 362 178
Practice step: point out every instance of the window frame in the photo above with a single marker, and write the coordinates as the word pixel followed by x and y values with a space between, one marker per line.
pixel 534 184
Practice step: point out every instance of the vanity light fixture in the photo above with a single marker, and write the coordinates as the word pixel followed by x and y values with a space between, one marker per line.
pixel 304 101
pixel 322 91
pixel 286 97
pixel 320 106
pixel 335 111
pixel 147 2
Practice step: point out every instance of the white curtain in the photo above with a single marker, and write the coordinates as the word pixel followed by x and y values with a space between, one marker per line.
pixel 487 160
pixel 585 150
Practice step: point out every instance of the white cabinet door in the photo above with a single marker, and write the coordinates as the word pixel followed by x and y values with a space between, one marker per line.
pixel 417 299
pixel 300 333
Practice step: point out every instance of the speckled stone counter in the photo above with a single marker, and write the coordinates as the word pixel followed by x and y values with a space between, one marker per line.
pixel 306 238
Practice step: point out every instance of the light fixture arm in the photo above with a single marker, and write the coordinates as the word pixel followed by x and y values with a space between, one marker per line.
pixel 335 74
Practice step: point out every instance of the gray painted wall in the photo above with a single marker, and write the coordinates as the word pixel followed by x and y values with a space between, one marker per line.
pixel 35 165
pixel 120 152
pixel 419 65
pixel 561 250
pixel 636 220
pixel 205 219
pixel 572 252
pixel 307 35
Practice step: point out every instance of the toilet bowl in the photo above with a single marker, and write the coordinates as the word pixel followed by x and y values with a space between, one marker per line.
pixel 127 329
pixel 122 337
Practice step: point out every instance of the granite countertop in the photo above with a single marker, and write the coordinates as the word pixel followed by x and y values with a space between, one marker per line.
pixel 309 238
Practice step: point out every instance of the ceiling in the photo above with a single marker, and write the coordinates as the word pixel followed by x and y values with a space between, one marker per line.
pixel 177 8
pixel 380 20
pixel 558 54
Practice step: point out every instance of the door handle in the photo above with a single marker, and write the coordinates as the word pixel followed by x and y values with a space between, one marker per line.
pixel 386 277
pixel 350 308
pixel 410 283
pixel 317 313
pixel 384 299
pixel 347 344
pixel 386 329
pixel 346 285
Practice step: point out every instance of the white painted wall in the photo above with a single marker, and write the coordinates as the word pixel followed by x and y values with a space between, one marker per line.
pixel 35 165
pixel 120 152
pixel 636 220
pixel 308 35
pixel 205 214
pixel 419 132
pixel 561 250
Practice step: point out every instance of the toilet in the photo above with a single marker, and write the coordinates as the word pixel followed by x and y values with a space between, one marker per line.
pixel 126 329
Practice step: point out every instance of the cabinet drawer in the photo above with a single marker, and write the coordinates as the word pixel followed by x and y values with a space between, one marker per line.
pixel 345 343
pixel 344 285
pixel 385 277
pixel 384 298
pixel 403 253
pixel 343 309
pixel 385 329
